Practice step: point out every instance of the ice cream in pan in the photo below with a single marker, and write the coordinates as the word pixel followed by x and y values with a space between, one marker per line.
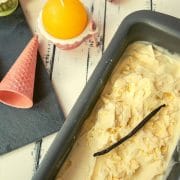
pixel 66 23
pixel 146 77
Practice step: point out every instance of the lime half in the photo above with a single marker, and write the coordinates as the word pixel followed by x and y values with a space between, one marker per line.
pixel 8 7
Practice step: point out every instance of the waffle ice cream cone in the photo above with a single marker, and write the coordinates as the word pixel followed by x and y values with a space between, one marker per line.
pixel 16 89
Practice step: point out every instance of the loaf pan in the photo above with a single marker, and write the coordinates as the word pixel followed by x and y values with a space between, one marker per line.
pixel 160 29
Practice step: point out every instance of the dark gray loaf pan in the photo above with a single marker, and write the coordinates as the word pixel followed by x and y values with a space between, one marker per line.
pixel 163 30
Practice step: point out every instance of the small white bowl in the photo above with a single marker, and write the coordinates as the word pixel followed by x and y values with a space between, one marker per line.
pixel 89 32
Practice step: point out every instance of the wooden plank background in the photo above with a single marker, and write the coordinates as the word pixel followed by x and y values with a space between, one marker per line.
pixel 70 70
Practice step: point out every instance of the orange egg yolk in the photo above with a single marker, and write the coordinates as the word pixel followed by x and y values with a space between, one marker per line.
pixel 64 20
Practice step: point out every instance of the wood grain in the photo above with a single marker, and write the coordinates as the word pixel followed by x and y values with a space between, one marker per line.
pixel 168 7
pixel 70 70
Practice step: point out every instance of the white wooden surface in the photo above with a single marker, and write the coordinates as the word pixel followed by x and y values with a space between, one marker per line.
pixel 70 70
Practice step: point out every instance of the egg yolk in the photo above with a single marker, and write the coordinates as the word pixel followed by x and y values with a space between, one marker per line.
pixel 64 20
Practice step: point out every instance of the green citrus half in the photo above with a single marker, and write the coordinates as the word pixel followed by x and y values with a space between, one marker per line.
pixel 8 7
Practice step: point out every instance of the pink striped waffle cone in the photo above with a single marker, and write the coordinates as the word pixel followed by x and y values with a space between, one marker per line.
pixel 16 88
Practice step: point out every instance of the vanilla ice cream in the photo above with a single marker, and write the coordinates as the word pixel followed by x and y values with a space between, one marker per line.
pixel 146 77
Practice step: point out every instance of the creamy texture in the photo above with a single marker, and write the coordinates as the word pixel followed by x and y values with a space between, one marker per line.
pixel 146 77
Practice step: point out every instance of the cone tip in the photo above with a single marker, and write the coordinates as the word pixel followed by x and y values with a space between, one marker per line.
pixel 35 39
pixel 35 36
